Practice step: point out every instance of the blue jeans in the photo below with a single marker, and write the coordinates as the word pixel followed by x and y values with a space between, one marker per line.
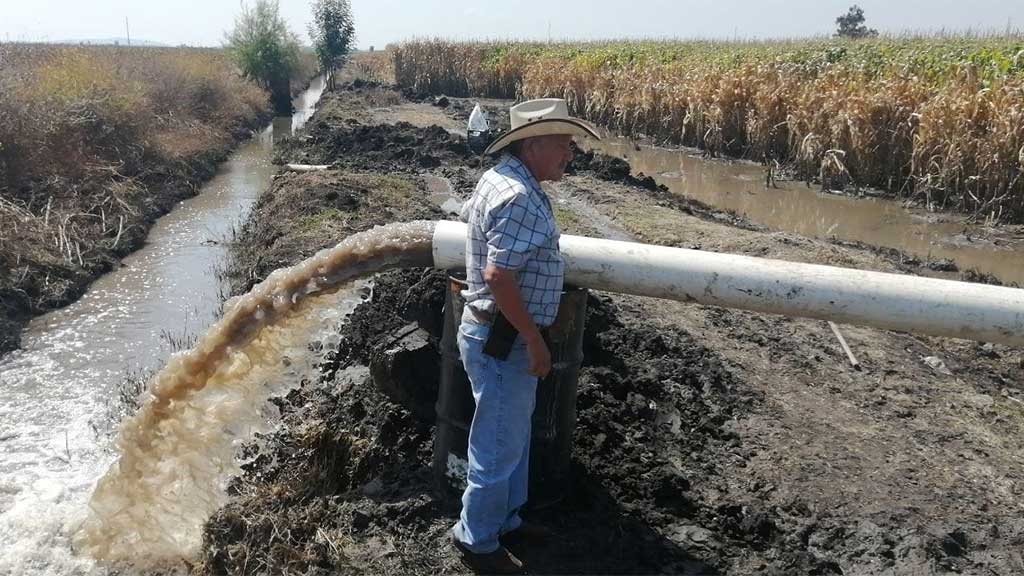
pixel 499 440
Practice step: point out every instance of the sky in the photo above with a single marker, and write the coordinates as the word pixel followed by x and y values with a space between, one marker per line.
pixel 378 22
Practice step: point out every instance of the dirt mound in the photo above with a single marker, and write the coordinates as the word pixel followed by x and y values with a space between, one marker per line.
pixel 345 484
pixel 398 338
pixel 611 169
pixel 497 112
pixel 305 212
pixel 362 84
pixel 972 275
pixel 339 486
pixel 412 95
pixel 398 147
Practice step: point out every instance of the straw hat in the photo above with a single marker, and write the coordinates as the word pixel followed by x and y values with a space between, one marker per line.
pixel 542 117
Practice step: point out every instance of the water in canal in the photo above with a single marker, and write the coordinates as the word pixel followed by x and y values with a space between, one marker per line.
pixel 54 437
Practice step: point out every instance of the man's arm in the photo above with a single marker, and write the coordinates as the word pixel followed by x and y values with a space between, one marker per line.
pixel 504 285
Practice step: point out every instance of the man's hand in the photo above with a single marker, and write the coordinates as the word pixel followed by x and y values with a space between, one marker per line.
pixel 504 285
pixel 540 356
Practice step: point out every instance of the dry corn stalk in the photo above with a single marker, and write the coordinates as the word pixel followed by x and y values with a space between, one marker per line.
pixel 942 118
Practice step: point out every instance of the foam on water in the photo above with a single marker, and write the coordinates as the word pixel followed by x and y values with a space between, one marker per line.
pixel 178 452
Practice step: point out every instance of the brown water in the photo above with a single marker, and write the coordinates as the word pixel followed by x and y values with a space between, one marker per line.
pixel 740 187
pixel 178 451
pixel 54 436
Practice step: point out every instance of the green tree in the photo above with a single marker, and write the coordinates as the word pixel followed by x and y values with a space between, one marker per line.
pixel 265 50
pixel 333 33
pixel 851 25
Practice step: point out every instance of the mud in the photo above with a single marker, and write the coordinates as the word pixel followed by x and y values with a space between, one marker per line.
pixel 350 470
pixel 363 130
pixel 401 147
pixel 303 213
pixel 708 441
pixel 497 112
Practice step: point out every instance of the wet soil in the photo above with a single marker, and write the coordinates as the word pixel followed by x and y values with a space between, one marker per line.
pixel 303 213
pixel 399 147
pixel 708 441
pixel 351 463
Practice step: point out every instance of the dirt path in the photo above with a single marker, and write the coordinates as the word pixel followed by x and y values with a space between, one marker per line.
pixel 708 441
pixel 898 444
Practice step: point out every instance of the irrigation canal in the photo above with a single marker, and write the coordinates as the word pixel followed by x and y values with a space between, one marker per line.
pixel 55 435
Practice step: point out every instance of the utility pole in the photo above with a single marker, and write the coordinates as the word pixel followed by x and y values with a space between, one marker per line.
pixel 128 35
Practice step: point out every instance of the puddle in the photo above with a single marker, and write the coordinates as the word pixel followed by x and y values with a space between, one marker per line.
pixel 793 207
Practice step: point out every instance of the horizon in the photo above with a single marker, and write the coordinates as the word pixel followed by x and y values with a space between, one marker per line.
pixel 392 21
pixel 967 34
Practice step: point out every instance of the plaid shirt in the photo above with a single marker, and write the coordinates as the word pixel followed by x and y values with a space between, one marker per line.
pixel 512 226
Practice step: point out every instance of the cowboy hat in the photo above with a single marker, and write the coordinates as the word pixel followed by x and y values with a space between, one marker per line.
pixel 542 117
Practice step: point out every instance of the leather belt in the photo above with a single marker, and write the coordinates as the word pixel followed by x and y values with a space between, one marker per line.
pixel 487 319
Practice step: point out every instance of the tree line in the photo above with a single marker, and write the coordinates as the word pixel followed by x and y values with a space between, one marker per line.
pixel 267 51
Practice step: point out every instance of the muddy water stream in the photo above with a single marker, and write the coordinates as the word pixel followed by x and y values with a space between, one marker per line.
pixel 740 187
pixel 54 442
pixel 178 452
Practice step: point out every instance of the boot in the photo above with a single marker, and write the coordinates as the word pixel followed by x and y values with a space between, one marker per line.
pixel 528 532
pixel 501 561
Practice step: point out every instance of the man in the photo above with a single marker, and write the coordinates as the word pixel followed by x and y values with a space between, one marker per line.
pixel 514 275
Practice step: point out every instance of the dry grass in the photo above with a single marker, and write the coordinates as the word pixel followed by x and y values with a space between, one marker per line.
pixel 939 119
pixel 82 107
pixel 90 138
pixel 375 66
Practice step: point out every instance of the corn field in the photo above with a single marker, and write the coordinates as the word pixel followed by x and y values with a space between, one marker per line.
pixel 374 66
pixel 937 119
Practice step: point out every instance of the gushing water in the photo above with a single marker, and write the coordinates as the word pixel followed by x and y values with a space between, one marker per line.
pixel 178 451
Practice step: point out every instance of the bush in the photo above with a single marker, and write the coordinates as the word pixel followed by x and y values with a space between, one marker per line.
pixel 333 33
pixel 265 50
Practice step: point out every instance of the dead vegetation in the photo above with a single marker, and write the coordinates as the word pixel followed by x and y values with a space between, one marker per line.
pixel 95 142
pixel 937 120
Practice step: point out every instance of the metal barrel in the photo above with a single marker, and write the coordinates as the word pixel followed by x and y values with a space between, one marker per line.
pixel 554 417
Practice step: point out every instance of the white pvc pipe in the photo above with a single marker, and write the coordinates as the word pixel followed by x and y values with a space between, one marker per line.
pixel 890 301
pixel 306 167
